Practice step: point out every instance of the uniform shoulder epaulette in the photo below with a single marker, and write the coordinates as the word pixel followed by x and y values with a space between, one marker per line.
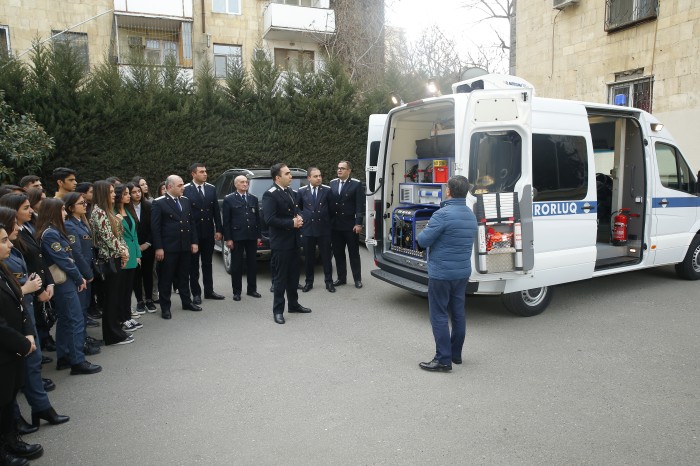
pixel 272 189
pixel 208 184
pixel 334 179
pixel 230 194
pixel 355 179
pixel 159 198
pixel 326 186
pixel 185 197
pixel 307 186
pixel 189 184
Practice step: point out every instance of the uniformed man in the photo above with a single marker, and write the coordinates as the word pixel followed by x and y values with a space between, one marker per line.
pixel 314 202
pixel 348 210
pixel 283 219
pixel 241 233
pixel 207 221
pixel 175 240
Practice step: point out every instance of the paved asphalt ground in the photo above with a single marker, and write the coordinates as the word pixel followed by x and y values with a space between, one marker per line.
pixel 607 375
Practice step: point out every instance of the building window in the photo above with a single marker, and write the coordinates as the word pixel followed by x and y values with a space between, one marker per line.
pixel 157 51
pixel 309 3
pixel 631 92
pixel 289 60
pixel 232 7
pixel 559 167
pixel 4 41
pixel 226 56
pixel 674 172
pixel 76 41
pixel 623 13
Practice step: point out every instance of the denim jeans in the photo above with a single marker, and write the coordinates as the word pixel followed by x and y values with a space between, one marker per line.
pixel 447 298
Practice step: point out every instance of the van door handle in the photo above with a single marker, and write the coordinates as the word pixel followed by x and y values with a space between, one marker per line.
pixel 663 202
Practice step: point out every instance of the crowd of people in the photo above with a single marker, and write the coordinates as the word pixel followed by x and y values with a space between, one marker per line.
pixel 79 258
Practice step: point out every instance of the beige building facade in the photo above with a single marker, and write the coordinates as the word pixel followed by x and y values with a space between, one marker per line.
pixel 641 53
pixel 187 32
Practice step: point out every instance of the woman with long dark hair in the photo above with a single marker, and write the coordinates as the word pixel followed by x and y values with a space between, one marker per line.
pixel 140 181
pixel 70 339
pixel 16 342
pixel 143 278
pixel 113 252
pixel 33 387
pixel 80 237
pixel 31 250
pixel 125 211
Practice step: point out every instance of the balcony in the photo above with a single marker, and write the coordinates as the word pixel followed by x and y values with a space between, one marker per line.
pixel 160 8
pixel 297 23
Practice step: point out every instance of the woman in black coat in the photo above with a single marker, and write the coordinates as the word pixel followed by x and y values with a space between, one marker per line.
pixel 16 342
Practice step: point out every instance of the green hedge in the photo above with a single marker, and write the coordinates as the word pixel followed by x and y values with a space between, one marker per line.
pixel 153 123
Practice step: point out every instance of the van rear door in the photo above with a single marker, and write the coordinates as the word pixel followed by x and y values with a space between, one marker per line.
pixel 372 170
pixel 497 151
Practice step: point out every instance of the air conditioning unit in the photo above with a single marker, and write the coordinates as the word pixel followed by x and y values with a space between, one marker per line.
pixel 137 41
pixel 561 4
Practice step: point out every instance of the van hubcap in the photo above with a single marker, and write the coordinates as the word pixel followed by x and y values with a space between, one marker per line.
pixel 696 260
pixel 534 296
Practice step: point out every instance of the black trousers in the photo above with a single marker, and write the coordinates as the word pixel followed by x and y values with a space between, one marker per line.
pixel 351 240
pixel 110 292
pixel 205 253
pixel 285 278
pixel 174 269
pixel 324 249
pixel 250 248
pixel 143 278
pixel 126 287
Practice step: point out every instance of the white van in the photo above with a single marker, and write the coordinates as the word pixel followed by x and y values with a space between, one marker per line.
pixel 552 180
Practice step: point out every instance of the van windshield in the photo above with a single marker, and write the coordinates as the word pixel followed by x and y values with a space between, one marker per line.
pixel 495 161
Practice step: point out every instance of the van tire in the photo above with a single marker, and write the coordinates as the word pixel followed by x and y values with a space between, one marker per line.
pixel 689 269
pixel 528 303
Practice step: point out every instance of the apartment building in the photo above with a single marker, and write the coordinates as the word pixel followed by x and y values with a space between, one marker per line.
pixel 189 32
pixel 640 53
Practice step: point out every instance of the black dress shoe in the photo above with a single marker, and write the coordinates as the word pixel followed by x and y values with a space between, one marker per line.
pixel 14 445
pixel 90 350
pixel 62 363
pixel 339 282
pixel 85 368
pixel 299 287
pixel 299 308
pixel 91 322
pixel 330 287
pixel 236 297
pixel 49 386
pixel 197 299
pixel 457 360
pixel 435 366
pixel 94 341
pixel 192 307
pixel 166 315
pixel 279 318
pixel 213 295
pixel 307 287
pixel 46 360
pixel 254 294
pixel 10 460
pixel 358 284
pixel 24 428
pixel 49 415
pixel 272 289
pixel 48 345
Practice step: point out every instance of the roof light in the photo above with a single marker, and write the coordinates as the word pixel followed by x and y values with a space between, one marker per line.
pixel 657 126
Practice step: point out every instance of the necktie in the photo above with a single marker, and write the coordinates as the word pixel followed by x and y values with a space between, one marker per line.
pixel 245 200
pixel 340 186
pixel 177 201
pixel 314 194
pixel 201 193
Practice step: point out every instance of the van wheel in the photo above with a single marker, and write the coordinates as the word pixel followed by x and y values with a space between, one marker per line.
pixel 528 303
pixel 689 269
pixel 226 255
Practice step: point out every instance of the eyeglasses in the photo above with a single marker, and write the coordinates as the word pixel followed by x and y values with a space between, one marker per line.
pixel 343 168
pixel 82 203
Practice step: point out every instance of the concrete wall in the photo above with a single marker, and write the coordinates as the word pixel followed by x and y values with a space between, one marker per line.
pixel 568 54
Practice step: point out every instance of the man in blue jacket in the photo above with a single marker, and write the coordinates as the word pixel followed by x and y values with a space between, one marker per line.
pixel 449 237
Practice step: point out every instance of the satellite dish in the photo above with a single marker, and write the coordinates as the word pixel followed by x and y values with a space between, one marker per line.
pixel 470 73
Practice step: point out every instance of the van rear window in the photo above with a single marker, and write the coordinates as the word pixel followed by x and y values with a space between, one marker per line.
pixel 495 161
pixel 559 167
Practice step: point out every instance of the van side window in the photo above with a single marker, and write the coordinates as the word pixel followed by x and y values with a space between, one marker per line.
pixel 559 167
pixel 495 161
pixel 674 172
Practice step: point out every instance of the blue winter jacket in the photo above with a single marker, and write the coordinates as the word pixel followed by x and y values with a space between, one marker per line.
pixel 449 237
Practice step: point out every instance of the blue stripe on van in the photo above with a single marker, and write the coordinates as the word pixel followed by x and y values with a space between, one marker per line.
pixel 548 209
pixel 693 201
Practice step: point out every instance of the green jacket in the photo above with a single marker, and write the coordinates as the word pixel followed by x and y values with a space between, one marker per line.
pixel 132 241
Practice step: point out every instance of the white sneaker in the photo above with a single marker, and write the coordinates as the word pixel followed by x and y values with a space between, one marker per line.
pixel 127 340
pixel 135 314
pixel 128 326
pixel 136 323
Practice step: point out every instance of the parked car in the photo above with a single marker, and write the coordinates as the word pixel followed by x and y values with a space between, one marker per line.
pixel 260 181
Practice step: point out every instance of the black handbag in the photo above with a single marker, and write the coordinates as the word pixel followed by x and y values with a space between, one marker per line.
pixel 106 267
pixel 45 314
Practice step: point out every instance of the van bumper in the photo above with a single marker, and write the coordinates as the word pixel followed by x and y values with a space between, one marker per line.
pixel 414 281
